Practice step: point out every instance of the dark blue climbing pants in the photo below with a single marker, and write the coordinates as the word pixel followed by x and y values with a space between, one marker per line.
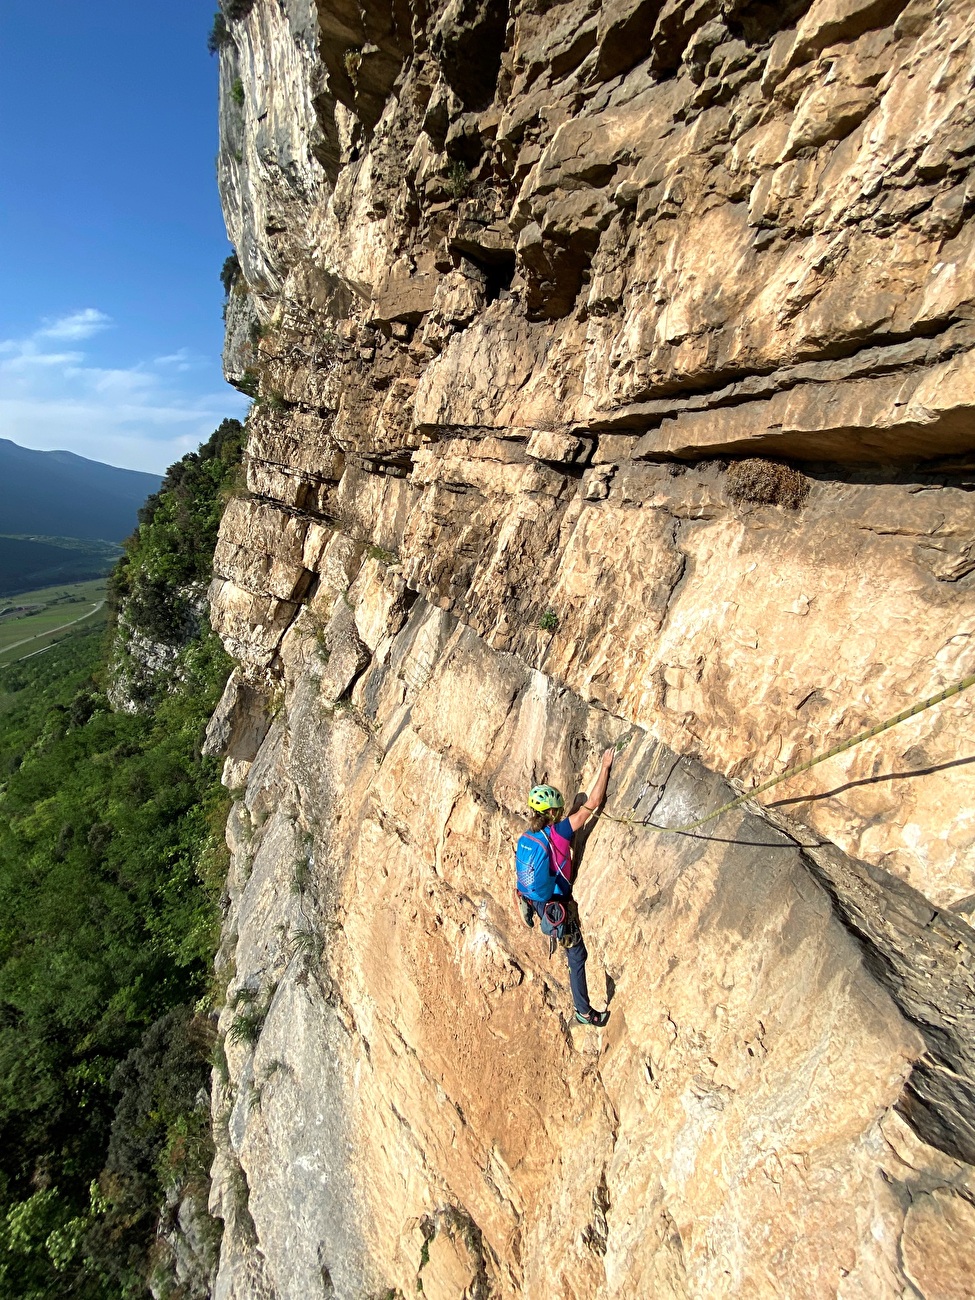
pixel 576 957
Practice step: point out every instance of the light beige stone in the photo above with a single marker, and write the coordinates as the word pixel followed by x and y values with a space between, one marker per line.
pixel 260 549
pixel 924 415
pixel 555 447
pixel 729 1113
pixel 939 1245
pixel 521 333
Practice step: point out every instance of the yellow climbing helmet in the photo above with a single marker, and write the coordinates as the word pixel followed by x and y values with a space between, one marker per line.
pixel 543 797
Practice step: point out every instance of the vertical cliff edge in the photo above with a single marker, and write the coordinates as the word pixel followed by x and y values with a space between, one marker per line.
pixel 614 371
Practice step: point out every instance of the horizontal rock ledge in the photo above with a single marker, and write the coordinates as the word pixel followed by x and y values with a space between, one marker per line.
pixel 915 417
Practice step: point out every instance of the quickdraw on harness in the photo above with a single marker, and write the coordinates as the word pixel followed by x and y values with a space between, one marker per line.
pixel 553 923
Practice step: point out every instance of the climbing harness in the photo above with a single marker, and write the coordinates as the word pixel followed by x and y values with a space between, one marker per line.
pixel 559 922
pixel 553 924
pixel 915 709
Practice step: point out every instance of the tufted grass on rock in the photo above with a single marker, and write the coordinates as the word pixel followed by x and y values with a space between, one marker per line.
pixel 246 1026
pixel 251 1012
pixel 300 875
pixel 458 180
pixel 382 554
pixel 767 483
pixel 352 62
pixel 306 942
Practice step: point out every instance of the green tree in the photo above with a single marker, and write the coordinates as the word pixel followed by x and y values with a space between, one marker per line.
pixel 111 865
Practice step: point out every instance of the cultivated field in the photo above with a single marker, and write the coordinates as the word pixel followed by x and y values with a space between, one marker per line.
pixel 34 620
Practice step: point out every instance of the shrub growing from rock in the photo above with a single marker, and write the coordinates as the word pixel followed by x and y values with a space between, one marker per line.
pixel 219 34
pixel 230 274
pixel 767 483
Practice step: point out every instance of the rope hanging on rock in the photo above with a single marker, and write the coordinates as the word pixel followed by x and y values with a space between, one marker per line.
pixel 915 709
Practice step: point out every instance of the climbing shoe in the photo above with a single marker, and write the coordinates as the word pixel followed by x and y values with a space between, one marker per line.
pixel 527 911
pixel 595 1018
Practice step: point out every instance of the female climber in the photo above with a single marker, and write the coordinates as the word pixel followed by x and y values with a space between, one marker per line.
pixel 543 862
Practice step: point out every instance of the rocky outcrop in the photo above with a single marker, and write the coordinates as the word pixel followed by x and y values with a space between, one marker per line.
pixel 145 662
pixel 615 387
pixel 414 1058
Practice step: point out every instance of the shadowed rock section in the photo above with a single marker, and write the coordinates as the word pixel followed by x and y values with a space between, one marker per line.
pixel 614 379
pixel 926 959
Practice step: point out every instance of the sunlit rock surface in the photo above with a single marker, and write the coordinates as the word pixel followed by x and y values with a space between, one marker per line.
pixel 541 301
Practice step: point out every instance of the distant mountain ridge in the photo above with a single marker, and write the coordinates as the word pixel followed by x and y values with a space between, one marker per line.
pixel 57 493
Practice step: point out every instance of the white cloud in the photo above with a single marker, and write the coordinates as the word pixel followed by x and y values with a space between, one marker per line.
pixel 141 417
pixel 113 383
pixel 28 358
pixel 76 325
pixel 181 361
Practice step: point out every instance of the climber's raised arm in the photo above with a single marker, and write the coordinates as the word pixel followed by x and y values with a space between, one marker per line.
pixel 597 794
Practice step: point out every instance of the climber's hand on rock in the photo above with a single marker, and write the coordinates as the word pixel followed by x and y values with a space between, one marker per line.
pixel 608 756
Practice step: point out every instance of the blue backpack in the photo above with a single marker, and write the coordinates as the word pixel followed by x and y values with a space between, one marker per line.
pixel 535 867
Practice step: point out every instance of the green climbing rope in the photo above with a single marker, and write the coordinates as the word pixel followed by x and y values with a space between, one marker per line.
pixel 915 709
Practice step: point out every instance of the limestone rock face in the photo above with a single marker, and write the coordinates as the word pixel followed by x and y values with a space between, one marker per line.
pixel 615 387
pixel 141 665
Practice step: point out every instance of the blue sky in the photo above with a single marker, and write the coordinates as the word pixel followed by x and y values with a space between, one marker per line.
pixel 110 230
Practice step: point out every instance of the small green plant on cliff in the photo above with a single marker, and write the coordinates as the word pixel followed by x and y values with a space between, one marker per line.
pixel 429 1229
pixel 249 383
pixel 275 401
pixel 306 943
pixel 237 92
pixel 623 742
pixel 382 555
pixel 251 1011
pixel 300 875
pixel 276 699
pixel 322 648
pixel 246 1026
pixel 458 180
pixel 352 62
pixel 549 621
pixel 218 1059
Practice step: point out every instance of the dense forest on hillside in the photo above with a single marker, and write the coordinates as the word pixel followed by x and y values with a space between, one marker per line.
pixel 111 867
pixel 29 562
